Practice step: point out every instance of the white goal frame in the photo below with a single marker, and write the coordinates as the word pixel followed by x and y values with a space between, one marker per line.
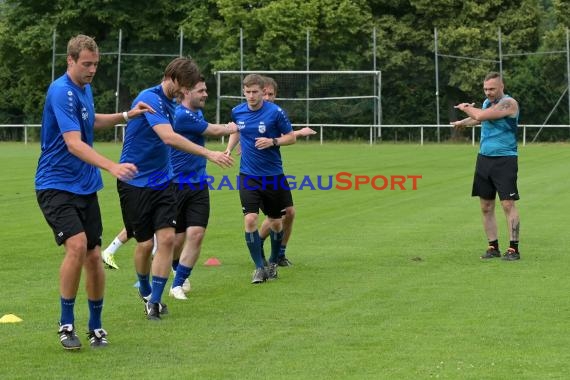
pixel 375 119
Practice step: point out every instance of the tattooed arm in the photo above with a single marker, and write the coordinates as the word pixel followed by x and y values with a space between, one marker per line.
pixel 506 107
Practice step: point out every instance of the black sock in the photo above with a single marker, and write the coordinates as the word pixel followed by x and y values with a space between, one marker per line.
pixel 514 245
pixel 494 244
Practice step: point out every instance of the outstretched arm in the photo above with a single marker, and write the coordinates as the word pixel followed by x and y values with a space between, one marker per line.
pixel 103 120
pixel 86 153
pixel 173 139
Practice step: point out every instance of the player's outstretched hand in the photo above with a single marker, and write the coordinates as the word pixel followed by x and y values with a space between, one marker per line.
pixel 221 159
pixel 123 172
pixel 304 132
pixel 139 109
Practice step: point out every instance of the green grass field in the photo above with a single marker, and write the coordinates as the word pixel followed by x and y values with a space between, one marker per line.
pixel 386 284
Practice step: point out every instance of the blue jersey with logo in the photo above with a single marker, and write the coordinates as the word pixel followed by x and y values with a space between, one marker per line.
pixel 499 137
pixel 189 168
pixel 68 107
pixel 269 121
pixel 143 147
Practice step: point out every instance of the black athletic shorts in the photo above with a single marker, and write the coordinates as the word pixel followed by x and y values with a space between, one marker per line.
pixel 271 194
pixel 496 175
pixel 193 205
pixel 146 210
pixel 69 214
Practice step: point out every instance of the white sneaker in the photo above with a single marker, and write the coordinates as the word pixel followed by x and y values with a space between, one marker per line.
pixel 178 293
pixel 186 287
pixel 109 260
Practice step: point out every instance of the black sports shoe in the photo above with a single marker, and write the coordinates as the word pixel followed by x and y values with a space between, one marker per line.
pixel 97 338
pixel 68 337
pixel 152 311
pixel 284 261
pixel 491 253
pixel 511 255
pixel 163 309
pixel 272 271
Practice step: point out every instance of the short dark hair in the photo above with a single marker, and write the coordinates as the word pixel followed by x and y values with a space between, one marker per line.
pixel 184 71
pixel 493 75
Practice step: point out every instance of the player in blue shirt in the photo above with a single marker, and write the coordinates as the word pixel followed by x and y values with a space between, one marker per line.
pixel 269 94
pixel 67 181
pixel 497 162
pixel 263 128
pixel 147 200
pixel 192 192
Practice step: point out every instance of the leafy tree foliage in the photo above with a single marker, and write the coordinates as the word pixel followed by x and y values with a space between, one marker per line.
pixel 275 38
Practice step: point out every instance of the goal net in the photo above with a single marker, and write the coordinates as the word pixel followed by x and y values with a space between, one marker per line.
pixel 344 103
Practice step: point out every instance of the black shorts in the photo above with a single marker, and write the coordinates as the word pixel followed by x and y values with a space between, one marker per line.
pixel 193 205
pixel 496 175
pixel 146 210
pixel 271 194
pixel 69 214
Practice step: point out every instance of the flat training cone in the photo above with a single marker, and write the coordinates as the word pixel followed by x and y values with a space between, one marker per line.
pixel 10 318
pixel 213 262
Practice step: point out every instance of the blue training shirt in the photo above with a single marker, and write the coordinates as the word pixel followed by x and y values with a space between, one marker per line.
pixel 189 168
pixel 143 147
pixel 269 121
pixel 499 137
pixel 67 108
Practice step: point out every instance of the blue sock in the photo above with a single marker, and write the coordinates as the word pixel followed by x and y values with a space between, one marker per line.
pixel 175 264
pixel 158 284
pixel 144 284
pixel 261 242
pixel 67 316
pixel 282 250
pixel 95 309
pixel 276 238
pixel 182 273
pixel 254 245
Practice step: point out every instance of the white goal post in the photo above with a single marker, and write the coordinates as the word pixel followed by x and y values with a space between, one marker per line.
pixel 316 99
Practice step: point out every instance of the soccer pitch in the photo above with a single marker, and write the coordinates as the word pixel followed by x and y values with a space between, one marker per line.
pixel 387 284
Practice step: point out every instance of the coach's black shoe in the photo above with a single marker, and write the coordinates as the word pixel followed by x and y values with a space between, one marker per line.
pixel 491 253
pixel 97 338
pixel 511 255
pixel 284 262
pixel 68 337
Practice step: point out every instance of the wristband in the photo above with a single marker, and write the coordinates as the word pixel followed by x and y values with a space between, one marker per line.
pixel 125 116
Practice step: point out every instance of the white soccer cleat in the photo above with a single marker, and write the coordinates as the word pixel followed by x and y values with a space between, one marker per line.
pixel 178 293
pixel 109 260
pixel 186 287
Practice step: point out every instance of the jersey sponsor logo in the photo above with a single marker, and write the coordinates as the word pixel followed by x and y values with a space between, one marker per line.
pixel 84 113
pixel 240 125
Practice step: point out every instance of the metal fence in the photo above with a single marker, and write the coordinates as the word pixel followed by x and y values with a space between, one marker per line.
pixel 373 131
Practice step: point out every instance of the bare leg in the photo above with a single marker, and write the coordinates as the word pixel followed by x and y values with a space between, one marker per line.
pixel 513 220
pixel 489 220
pixel 72 264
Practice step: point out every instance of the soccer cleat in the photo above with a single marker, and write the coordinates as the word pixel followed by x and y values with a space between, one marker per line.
pixel 272 271
pixel 511 255
pixel 186 286
pixel 491 253
pixel 259 276
pixel 163 309
pixel 109 260
pixel 178 293
pixel 284 262
pixel 98 338
pixel 68 337
pixel 152 311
